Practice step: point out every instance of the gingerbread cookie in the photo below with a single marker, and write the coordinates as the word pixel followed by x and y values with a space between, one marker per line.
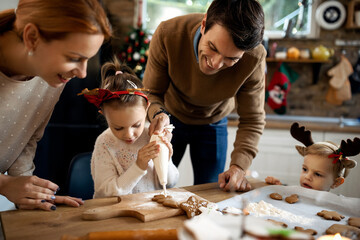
pixel 160 198
pixel 191 206
pixel 308 231
pixel 354 221
pixel 292 199
pixel 278 223
pixel 170 202
pixel 157 197
pixel 330 215
pixel 275 196
pixel 343 229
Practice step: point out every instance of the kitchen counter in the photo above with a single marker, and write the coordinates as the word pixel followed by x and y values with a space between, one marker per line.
pixel 341 125
pixel 66 222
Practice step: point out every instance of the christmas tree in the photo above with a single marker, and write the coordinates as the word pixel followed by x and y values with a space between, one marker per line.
pixel 136 50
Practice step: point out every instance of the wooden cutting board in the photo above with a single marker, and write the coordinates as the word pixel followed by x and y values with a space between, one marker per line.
pixel 140 206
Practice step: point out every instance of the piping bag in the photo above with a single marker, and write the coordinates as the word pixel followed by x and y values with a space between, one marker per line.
pixel 162 161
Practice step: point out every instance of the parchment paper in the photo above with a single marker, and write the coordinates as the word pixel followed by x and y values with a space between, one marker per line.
pixel 304 212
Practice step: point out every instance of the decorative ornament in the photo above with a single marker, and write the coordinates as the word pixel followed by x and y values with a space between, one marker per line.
pixel 133 36
pixel 138 68
pixel 136 56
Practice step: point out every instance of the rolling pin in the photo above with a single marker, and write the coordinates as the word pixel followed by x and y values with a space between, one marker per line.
pixel 152 234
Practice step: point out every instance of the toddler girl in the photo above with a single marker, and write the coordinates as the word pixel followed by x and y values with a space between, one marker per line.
pixel 325 164
pixel 120 161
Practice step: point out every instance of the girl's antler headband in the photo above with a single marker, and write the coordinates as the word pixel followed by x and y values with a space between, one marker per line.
pixel 347 149
pixel 97 96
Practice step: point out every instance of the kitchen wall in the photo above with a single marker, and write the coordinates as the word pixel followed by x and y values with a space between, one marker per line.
pixel 7 4
pixel 307 94
pixel 306 97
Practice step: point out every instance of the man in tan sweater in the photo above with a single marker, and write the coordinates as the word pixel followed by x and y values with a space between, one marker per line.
pixel 199 68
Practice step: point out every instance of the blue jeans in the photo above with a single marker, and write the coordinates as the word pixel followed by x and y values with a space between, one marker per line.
pixel 208 146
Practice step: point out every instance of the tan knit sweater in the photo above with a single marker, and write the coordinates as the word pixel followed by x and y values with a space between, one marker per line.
pixel 25 109
pixel 176 82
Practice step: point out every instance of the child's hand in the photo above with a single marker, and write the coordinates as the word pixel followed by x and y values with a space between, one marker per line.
pixel 272 180
pixel 168 144
pixel 149 151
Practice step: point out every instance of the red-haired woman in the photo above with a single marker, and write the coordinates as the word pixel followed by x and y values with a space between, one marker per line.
pixel 43 45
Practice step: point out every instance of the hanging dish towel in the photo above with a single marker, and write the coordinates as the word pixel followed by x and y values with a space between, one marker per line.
pixel 339 89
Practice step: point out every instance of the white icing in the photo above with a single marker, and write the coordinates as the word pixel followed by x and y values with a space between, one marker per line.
pixel 263 208
pixel 232 210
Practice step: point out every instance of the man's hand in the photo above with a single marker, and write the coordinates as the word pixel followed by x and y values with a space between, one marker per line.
pixel 158 124
pixel 234 180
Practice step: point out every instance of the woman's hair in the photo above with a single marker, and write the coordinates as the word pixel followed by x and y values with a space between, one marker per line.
pixel 244 19
pixel 324 149
pixel 56 18
pixel 119 77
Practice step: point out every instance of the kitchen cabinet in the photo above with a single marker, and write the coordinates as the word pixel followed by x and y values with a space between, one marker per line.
pixel 278 157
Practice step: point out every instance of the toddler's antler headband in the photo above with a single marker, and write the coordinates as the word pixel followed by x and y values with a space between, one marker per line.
pixel 97 96
pixel 347 149
pixel 301 135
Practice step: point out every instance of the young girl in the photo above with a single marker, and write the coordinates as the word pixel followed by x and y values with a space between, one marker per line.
pixel 121 159
pixel 325 164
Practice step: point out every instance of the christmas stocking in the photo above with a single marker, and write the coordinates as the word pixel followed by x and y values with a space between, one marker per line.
pixel 278 88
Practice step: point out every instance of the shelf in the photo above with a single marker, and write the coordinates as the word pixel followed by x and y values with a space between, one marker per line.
pixel 316 64
pixel 300 60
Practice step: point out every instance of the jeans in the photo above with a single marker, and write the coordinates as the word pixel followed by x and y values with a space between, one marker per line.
pixel 208 146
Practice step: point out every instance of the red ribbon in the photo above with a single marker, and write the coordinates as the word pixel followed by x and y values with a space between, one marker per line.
pixel 337 156
pixel 98 96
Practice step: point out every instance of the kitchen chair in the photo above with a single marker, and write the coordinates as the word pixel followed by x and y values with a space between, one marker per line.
pixel 80 183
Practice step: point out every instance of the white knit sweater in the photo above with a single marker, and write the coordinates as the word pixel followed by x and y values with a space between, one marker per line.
pixel 114 168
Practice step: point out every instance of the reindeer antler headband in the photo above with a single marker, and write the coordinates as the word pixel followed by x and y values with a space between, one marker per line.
pixel 347 148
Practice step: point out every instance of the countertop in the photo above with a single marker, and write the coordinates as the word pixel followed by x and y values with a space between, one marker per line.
pixel 67 221
pixel 341 125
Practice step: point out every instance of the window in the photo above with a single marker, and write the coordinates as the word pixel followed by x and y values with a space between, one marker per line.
pixel 291 18
pixel 160 10
pixel 282 17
